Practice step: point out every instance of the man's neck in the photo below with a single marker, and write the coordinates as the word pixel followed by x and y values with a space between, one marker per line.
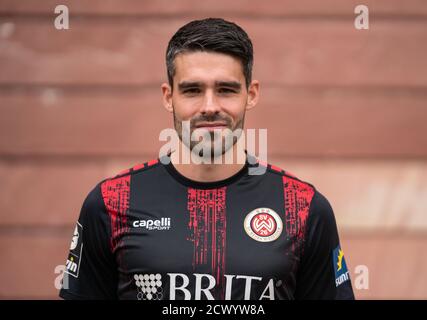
pixel 209 172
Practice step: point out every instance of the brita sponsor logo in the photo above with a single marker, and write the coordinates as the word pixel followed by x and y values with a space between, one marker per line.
pixel 160 224
pixel 199 286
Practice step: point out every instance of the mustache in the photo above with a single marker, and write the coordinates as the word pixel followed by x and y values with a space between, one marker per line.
pixel 210 118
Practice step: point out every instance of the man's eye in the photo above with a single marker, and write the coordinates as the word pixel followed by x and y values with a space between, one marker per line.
pixel 191 91
pixel 226 90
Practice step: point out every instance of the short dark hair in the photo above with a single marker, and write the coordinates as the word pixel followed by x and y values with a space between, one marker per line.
pixel 214 35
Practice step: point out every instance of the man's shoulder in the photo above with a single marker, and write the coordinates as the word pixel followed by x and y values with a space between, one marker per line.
pixel 128 172
pixel 303 197
pixel 290 180
pixel 298 189
pixel 119 184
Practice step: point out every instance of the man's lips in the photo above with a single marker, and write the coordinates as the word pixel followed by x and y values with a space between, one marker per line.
pixel 211 125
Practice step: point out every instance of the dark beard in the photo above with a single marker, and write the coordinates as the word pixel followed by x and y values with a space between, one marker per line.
pixel 210 118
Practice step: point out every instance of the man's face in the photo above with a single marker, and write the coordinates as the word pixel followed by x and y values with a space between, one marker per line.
pixel 209 91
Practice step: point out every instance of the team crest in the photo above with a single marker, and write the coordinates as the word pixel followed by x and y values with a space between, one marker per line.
pixel 263 224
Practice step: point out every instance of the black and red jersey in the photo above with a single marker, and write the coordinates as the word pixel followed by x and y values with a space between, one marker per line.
pixel 150 233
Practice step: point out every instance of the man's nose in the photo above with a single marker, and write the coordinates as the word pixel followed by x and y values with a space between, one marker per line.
pixel 210 104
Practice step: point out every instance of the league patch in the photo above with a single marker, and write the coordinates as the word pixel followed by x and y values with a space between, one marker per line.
pixel 76 248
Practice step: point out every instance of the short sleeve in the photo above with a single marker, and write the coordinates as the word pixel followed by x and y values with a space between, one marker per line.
pixel 90 271
pixel 323 273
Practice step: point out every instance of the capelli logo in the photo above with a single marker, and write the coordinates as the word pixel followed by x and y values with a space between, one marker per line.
pixel 160 224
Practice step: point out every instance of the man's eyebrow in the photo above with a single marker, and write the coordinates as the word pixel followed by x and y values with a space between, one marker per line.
pixel 230 84
pixel 189 84
pixel 192 84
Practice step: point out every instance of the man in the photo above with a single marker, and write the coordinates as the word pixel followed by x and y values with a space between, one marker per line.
pixel 206 230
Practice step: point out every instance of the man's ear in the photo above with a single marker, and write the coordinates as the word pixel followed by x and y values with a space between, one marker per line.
pixel 167 96
pixel 253 94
